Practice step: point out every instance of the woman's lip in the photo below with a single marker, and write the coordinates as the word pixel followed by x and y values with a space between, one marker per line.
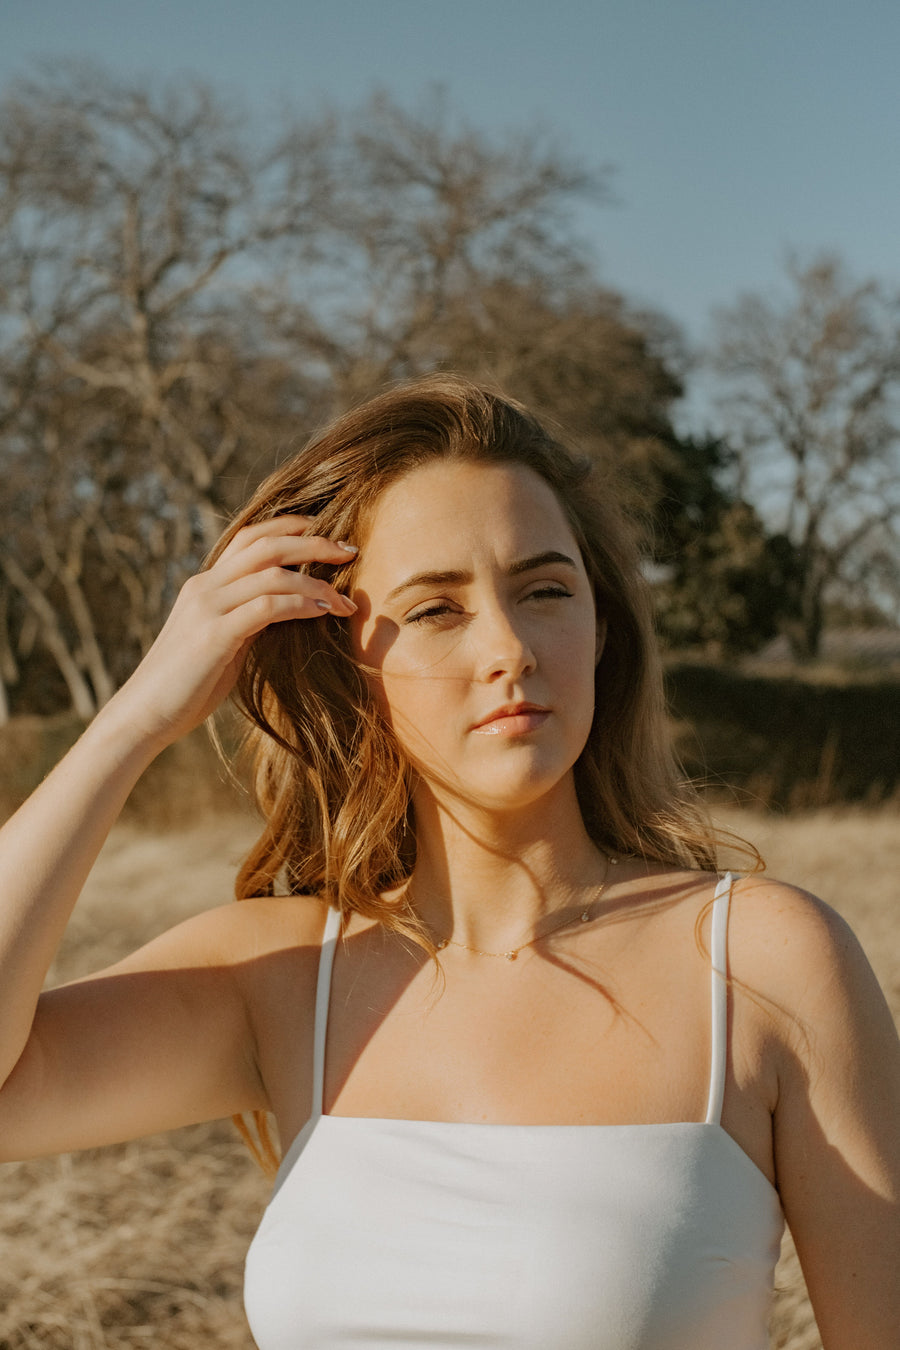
pixel 513 723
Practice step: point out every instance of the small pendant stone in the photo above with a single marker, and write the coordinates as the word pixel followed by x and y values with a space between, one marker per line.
pixel 511 956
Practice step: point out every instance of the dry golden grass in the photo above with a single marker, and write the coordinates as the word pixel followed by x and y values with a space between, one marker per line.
pixel 143 1244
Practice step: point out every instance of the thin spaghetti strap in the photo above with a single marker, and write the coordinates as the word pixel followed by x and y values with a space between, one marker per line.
pixel 323 990
pixel 719 983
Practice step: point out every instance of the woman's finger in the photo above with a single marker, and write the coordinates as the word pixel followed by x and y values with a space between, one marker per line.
pixel 280 550
pixel 263 529
pixel 297 595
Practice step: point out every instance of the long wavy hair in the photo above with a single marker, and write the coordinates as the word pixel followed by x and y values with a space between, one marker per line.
pixel 327 773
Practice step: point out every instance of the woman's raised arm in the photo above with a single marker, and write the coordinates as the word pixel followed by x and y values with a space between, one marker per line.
pixel 49 846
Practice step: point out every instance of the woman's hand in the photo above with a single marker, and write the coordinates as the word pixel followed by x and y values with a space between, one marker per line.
pixel 198 655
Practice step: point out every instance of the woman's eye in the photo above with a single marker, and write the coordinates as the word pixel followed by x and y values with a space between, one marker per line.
pixel 430 614
pixel 549 593
pixel 441 612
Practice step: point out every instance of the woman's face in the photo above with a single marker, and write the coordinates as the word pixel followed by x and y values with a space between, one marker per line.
pixel 476 612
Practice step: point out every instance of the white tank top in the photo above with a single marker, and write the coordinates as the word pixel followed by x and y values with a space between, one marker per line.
pixel 404 1233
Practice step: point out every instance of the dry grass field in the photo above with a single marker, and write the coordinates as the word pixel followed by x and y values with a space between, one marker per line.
pixel 143 1245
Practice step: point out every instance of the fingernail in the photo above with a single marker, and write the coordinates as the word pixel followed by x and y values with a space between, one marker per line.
pixel 347 601
pixel 348 548
pixel 324 604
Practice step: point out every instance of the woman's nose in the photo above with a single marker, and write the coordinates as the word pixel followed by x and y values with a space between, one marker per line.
pixel 504 650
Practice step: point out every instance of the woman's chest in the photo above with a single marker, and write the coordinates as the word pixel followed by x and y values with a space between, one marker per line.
pixel 540 1043
pixel 609 1032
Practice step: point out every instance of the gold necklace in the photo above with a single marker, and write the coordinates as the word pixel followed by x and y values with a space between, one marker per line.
pixel 513 953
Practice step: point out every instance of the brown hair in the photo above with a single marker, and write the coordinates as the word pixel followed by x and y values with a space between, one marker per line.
pixel 331 782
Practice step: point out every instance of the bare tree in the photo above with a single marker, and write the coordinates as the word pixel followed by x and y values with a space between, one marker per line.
pixel 423 212
pixel 810 389
pixel 130 213
pixel 136 392
pixel 180 295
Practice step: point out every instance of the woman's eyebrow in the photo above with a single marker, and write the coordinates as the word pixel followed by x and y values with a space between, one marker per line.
pixel 457 577
pixel 541 560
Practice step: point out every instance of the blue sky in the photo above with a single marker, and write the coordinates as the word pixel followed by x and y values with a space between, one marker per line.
pixel 738 130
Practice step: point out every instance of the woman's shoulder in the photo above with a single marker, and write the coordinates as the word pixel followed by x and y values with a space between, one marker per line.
pixel 798 964
pixel 268 948
pixel 237 936
pixel 783 933
pixel 784 943
pixel 265 927
pixel 294 920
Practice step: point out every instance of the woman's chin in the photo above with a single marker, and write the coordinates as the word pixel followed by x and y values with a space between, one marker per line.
pixel 502 794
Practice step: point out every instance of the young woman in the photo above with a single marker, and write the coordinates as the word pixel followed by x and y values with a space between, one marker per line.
pixel 572 1079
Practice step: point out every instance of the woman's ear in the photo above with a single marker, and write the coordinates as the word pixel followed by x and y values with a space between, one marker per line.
pixel 601 640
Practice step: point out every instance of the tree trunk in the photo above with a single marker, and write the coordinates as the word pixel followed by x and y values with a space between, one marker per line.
pixel 804 632
pixel 102 681
pixel 9 670
pixel 53 638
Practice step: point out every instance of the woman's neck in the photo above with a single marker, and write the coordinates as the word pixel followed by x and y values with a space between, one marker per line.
pixel 487 879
